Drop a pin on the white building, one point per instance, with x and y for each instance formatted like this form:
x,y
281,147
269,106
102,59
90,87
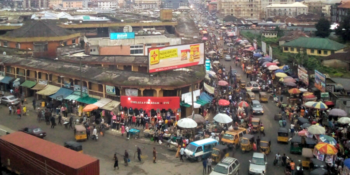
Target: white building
x,y
247,9
326,10
265,3
147,4
291,10
107,4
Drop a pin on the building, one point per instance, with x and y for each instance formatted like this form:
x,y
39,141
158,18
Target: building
x,y
290,36
109,4
269,33
212,6
315,6
35,3
340,60
313,46
326,10
291,10
266,3
137,46
334,12
247,9
147,4
72,4
41,37
340,12
174,4
55,3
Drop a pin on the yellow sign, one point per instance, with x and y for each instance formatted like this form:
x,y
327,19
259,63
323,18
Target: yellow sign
x,y
154,54
168,53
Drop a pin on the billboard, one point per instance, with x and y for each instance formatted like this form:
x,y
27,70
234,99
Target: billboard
x,y
302,75
174,57
148,103
270,52
320,81
263,47
125,35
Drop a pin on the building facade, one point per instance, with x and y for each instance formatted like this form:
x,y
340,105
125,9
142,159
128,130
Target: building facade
x,y
339,11
72,4
55,3
147,4
35,3
291,10
247,9
265,3
107,4
326,10
174,4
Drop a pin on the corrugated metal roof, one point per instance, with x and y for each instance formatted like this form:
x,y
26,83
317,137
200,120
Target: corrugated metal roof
x,y
315,43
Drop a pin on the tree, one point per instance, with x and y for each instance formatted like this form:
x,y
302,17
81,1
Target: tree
x,y
229,18
343,29
280,32
323,28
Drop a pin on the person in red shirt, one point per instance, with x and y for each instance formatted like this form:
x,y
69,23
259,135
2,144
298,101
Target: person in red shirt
x,y
19,112
134,120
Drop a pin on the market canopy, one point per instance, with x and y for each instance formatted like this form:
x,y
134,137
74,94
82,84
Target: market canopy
x,y
48,90
28,84
89,108
102,102
61,94
87,100
39,87
209,89
6,80
111,105
75,96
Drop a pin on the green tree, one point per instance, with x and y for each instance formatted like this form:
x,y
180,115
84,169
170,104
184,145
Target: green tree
x,y
280,32
229,18
343,29
323,28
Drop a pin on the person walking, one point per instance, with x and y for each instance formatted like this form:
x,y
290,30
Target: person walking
x,y
53,122
154,155
182,152
123,130
138,153
59,119
88,132
126,158
277,158
34,103
262,130
258,142
210,161
19,113
10,109
116,161
292,166
127,131
284,160
205,166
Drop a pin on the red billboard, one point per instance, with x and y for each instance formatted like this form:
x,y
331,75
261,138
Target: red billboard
x,y
148,103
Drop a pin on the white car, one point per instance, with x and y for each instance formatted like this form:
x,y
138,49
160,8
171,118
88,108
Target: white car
x,y
227,58
258,164
228,166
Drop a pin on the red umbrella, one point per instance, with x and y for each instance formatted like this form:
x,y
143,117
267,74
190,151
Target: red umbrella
x,y
270,64
309,96
223,102
329,103
222,83
243,104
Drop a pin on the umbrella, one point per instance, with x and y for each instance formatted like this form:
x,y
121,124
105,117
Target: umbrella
x,y
211,72
279,70
89,108
303,120
197,117
290,84
347,163
320,106
305,125
204,38
207,77
326,148
211,52
222,118
223,27
302,90
271,64
216,62
273,67
243,104
264,64
328,139
223,102
303,132
312,96
222,83
289,79
337,112
316,129
309,104
281,75
294,91
344,120
319,171
269,59
187,123
307,93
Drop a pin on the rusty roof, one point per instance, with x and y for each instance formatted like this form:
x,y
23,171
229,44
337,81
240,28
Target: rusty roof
x,y
115,60
293,35
345,5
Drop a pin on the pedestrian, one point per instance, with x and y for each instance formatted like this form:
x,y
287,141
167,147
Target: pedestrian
x,y
262,130
126,158
205,166
53,122
139,153
34,103
182,153
22,99
115,161
123,130
24,110
88,132
154,155
94,134
70,122
210,161
284,160
258,141
19,112
10,109
59,119
292,166
127,131
277,158
263,173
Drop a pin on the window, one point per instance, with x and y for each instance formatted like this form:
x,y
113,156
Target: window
x,y
319,51
199,149
39,75
5,43
285,48
136,50
18,45
325,52
312,50
73,41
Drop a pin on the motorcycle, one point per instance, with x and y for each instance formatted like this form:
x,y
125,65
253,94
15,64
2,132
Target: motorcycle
x,y
95,137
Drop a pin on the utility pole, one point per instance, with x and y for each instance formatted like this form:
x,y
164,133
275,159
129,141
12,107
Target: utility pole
x,y
81,81
192,97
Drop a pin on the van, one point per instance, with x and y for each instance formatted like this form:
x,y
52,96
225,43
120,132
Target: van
x,y
200,149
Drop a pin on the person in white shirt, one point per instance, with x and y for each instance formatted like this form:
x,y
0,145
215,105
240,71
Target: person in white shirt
x,y
127,131
94,133
182,153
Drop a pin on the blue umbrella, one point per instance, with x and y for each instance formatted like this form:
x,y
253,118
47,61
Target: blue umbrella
x,y
279,70
268,58
347,163
257,55
328,139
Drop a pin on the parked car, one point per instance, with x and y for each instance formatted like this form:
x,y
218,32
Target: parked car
x,y
227,57
257,107
253,87
35,131
258,163
228,166
10,99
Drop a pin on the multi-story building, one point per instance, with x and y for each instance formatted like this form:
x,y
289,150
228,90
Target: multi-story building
x,y
72,4
326,10
108,4
265,3
339,11
174,4
315,6
35,3
147,4
291,10
212,6
248,9
55,3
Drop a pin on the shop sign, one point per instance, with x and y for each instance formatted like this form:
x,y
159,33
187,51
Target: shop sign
x,y
187,97
324,94
77,88
302,75
110,90
67,84
43,82
320,81
132,92
148,103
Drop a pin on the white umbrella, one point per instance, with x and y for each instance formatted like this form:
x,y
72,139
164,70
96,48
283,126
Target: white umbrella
x,y
309,103
222,118
211,52
216,62
273,67
316,129
211,72
338,112
302,90
187,123
344,120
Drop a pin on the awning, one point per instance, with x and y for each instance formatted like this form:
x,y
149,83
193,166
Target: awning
x,y
6,80
28,84
87,100
111,105
205,97
202,102
75,96
39,87
183,104
102,102
89,108
48,90
209,89
61,94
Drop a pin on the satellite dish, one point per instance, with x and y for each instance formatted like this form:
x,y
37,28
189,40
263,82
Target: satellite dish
x,y
127,28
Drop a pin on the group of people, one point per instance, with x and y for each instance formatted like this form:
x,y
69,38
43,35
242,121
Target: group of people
x,y
126,157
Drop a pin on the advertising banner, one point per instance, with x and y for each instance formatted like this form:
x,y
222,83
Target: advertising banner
x,y
148,103
125,35
131,92
174,57
77,88
320,81
302,75
187,97
270,52
263,46
110,90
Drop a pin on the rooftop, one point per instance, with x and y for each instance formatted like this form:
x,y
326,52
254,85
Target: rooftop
x,y
293,35
295,4
345,5
137,40
173,78
342,56
134,60
315,43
